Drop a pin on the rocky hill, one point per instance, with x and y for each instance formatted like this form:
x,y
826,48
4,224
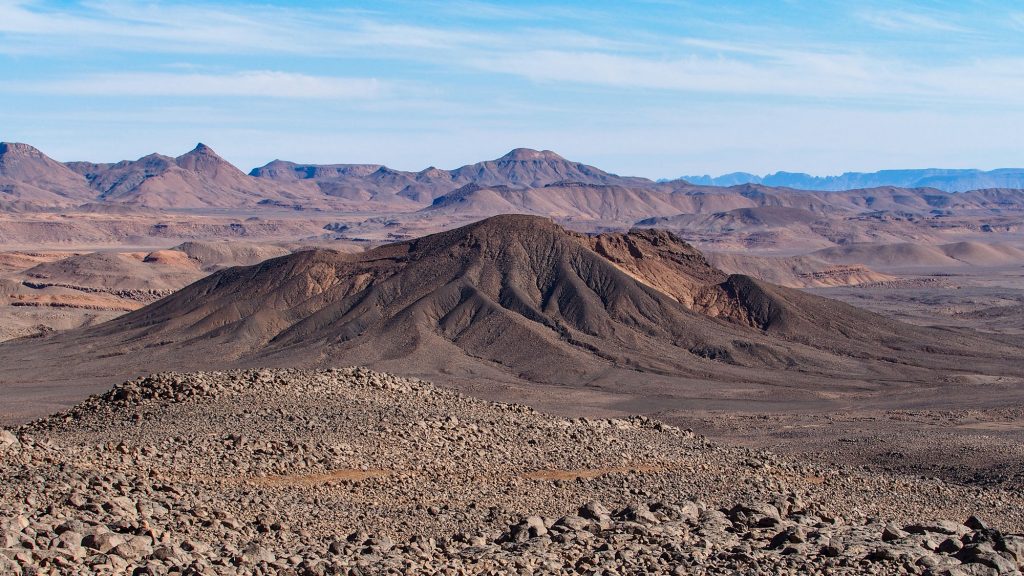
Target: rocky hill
x,y
30,178
518,301
519,169
199,178
41,292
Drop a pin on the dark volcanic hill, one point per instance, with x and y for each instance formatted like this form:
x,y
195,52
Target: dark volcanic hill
x,y
514,300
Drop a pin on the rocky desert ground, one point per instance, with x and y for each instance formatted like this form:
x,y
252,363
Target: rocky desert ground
x,y
349,471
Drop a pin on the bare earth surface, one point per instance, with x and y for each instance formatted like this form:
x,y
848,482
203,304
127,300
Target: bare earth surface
x,y
976,439
354,472
865,392
46,291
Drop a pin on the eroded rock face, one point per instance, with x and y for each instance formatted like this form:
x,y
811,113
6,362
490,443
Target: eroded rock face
x,y
358,472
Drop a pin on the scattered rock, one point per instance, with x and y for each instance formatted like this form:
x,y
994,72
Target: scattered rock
x,y
356,472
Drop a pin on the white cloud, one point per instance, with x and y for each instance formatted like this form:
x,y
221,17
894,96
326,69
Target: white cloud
x,y
258,84
189,29
903,21
778,73
256,29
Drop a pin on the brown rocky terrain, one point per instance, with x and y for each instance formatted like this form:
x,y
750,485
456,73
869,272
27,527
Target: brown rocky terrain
x,y
78,231
796,271
199,195
909,402
355,472
197,179
28,177
42,292
910,254
521,168
518,308
518,299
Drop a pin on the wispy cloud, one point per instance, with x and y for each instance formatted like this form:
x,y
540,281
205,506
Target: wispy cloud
x,y
258,84
777,73
114,24
904,21
169,28
483,10
263,29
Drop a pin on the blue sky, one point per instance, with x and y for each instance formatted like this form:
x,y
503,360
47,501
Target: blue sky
x,y
658,88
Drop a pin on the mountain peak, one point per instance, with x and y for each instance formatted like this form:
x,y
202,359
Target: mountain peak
x,y
18,148
203,159
504,222
524,154
202,149
52,182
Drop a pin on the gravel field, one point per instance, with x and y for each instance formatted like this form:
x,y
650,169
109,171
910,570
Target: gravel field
x,y
357,472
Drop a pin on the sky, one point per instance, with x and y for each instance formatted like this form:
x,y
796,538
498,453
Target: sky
x,y
657,88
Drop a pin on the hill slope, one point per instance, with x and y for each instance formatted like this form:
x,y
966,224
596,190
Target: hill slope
x,y
514,299
197,179
30,177
911,254
796,271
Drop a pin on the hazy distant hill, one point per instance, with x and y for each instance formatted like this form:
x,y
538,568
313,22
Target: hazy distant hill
x,y
520,168
374,203
942,179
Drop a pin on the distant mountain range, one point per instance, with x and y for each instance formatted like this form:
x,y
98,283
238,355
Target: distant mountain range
x,y
372,203
202,179
525,180
946,180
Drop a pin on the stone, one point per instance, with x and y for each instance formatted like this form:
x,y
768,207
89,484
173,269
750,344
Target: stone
x,y
1014,546
535,526
937,527
640,513
134,547
761,514
69,539
594,510
572,522
254,554
893,532
985,554
8,441
950,546
104,541
975,523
